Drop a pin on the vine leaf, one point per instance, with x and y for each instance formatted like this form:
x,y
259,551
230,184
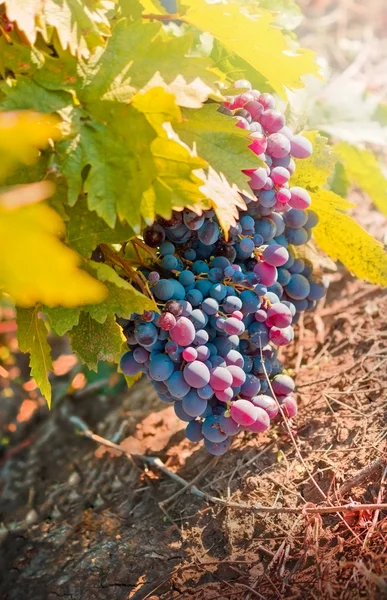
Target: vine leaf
x,y
343,239
36,266
223,145
32,338
362,169
85,229
123,299
256,40
93,341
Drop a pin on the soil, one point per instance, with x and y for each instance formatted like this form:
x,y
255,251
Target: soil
x,y
82,522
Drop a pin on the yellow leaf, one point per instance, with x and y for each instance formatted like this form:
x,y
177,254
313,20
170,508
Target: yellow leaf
x,y
22,133
222,197
256,40
363,170
313,172
343,239
35,265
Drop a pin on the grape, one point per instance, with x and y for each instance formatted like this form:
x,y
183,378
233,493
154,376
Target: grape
x,y
267,403
217,449
199,319
193,405
228,425
300,147
190,254
283,276
220,378
251,386
260,315
233,326
189,354
247,245
166,248
312,219
298,266
295,218
199,267
196,374
173,223
238,277
259,142
203,353
262,422
218,291
194,297
192,220
278,145
153,277
225,395
233,357
186,308
163,289
283,385
289,407
184,331
267,100
297,237
280,175
201,337
300,198
241,123
167,321
145,333
210,306
154,235
281,337
266,228
205,392
177,386
317,291
140,355
193,431
209,233
275,255
298,287
244,412
180,412
280,315
241,112
267,273
211,430
250,302
258,179
171,347
238,375
128,365
186,278
161,367
178,290
272,120
255,108
232,303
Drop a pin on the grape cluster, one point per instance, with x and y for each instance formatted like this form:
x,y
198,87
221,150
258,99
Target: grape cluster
x,y
225,306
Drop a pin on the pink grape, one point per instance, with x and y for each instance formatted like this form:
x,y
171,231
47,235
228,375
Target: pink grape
x,y
300,198
244,412
283,195
241,123
196,374
267,100
233,326
259,143
287,132
278,145
262,422
281,337
269,184
289,406
283,384
242,83
225,395
272,120
184,332
280,315
275,255
258,179
255,108
220,378
300,147
237,315
267,273
280,175
203,353
238,375
190,354
167,321
233,357
267,403
241,100
260,315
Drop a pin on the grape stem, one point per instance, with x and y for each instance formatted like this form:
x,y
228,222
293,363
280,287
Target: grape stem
x,y
153,461
116,259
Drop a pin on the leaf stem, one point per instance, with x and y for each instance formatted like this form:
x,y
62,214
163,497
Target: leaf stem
x,y
116,259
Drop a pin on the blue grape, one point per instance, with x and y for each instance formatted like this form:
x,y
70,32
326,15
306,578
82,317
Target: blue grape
x,y
194,297
217,449
193,431
218,291
211,430
161,367
180,412
250,302
210,306
298,287
128,365
145,333
169,262
199,267
208,234
215,274
177,386
190,254
167,248
297,237
247,245
164,289
193,405
186,278
199,319
220,262
205,392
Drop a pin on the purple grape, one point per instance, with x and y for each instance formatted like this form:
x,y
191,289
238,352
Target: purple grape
x,y
300,198
300,147
251,386
244,412
217,449
177,386
196,374
161,367
289,407
238,375
180,412
192,220
262,422
267,403
220,378
154,235
281,337
225,395
205,392
128,365
184,332
278,146
272,120
275,255
212,431
283,385
203,353
280,315
153,277
140,355
193,405
193,431
228,425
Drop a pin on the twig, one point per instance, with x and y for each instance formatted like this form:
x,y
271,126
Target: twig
x,y
276,510
362,475
377,511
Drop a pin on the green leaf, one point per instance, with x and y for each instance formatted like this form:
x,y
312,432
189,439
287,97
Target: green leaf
x,y
32,338
85,229
338,182
93,341
343,239
362,169
235,67
255,40
62,319
27,94
123,299
220,143
140,56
